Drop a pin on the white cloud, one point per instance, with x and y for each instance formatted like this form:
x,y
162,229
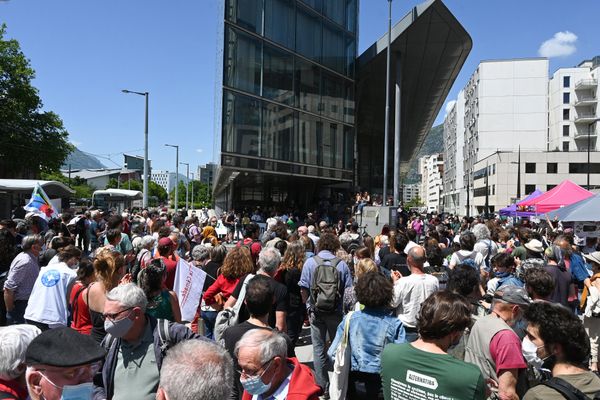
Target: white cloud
x,y
449,106
199,150
562,44
76,143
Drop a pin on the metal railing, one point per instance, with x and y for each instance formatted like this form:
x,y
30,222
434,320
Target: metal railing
x,y
586,83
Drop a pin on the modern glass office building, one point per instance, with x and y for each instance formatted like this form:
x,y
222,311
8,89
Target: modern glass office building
x,y
288,108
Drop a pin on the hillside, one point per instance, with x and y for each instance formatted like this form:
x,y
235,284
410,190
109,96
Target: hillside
x,y
81,160
434,143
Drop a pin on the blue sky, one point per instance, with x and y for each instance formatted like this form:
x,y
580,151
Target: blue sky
x,y
85,52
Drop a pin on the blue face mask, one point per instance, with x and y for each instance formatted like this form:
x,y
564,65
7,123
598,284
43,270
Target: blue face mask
x,y
83,391
501,274
254,384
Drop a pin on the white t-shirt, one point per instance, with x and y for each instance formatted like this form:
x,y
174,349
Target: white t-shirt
x,y
409,293
48,300
460,256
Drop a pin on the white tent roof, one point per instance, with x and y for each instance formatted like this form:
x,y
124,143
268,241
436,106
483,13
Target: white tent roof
x,y
132,194
52,188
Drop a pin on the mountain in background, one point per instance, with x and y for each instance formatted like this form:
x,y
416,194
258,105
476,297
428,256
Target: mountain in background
x,y
80,160
434,143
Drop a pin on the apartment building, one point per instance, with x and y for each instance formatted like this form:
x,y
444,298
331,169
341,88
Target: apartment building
x,y
410,192
432,171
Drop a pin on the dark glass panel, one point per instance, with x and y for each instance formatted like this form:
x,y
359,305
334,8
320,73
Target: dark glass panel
x,y
245,13
278,138
348,147
309,129
334,10
349,105
316,5
278,75
308,35
280,22
241,124
332,99
334,48
242,61
351,15
350,56
308,85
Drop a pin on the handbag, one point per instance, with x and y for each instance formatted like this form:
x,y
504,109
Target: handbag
x,y
338,384
230,316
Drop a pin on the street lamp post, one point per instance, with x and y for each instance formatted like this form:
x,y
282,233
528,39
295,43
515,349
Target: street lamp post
x,y
589,145
192,190
176,173
146,168
387,104
187,184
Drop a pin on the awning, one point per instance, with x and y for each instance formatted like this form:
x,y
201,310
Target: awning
x,y
587,210
564,194
53,189
122,193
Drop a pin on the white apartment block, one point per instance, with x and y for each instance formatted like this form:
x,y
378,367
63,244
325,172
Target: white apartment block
x,y
432,171
539,170
573,107
454,138
410,192
165,179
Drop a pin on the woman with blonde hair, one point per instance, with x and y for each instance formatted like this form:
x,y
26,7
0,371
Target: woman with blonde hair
x,y
109,268
289,274
237,264
364,265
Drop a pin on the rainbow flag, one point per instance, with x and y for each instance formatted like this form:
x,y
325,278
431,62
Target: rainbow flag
x,y
40,204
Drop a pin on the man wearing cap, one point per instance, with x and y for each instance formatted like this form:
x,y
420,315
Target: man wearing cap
x,y
493,344
61,363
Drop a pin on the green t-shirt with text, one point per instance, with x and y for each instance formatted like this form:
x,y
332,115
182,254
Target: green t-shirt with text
x,y
408,373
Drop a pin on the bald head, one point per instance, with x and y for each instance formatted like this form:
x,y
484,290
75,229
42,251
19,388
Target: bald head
x,y
416,257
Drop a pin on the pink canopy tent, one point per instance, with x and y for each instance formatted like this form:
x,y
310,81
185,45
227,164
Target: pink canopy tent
x,y
562,195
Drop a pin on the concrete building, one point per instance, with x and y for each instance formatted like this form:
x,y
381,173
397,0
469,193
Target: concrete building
x,y
454,138
573,107
539,170
99,178
165,179
432,171
205,173
410,192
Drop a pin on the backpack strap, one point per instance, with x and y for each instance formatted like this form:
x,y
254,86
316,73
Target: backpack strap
x,y
568,391
164,335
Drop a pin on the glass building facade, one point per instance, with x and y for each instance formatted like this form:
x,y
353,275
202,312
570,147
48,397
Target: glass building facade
x,y
288,102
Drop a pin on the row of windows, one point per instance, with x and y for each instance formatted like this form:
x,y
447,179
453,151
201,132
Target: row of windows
x,y
574,168
301,30
264,70
257,128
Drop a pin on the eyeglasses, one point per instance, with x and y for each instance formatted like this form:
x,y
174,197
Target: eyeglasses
x,y
73,372
246,375
114,316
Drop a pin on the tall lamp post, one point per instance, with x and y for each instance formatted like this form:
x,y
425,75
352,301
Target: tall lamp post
x,y
589,146
176,173
387,104
187,184
146,172
192,189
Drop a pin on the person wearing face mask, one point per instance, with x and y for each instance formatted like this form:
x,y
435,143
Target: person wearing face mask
x,y
14,341
424,365
47,307
136,344
503,266
55,371
561,344
266,372
494,345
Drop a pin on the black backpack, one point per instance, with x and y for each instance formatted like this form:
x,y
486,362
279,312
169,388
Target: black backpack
x,y
568,391
325,289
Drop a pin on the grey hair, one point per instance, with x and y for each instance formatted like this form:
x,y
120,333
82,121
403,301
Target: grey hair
x,y
417,258
129,295
270,343
29,241
197,369
14,341
201,253
269,259
147,242
481,232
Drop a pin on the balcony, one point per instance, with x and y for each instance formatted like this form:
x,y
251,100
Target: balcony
x,y
586,84
586,118
586,101
583,133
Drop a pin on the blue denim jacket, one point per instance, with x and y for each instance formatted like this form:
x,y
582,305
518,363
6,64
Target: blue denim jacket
x,y
370,330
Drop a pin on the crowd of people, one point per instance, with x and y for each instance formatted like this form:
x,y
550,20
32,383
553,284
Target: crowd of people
x,y
433,307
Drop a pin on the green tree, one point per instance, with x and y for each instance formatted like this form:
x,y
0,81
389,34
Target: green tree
x,y
202,197
31,141
154,189
416,202
78,184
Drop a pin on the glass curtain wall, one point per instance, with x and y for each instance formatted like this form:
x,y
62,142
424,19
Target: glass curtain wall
x,y
288,81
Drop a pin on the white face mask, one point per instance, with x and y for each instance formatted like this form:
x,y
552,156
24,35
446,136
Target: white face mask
x,y
529,350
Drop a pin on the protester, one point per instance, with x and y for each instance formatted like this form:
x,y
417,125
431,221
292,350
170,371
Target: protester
x,y
289,274
55,371
503,267
590,302
166,253
467,254
162,303
412,290
80,313
266,371
562,277
196,370
14,341
21,278
539,283
364,265
370,329
136,344
424,367
561,342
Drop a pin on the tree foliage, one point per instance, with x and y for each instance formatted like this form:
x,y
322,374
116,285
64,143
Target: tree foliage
x,y
202,196
156,193
31,140
78,184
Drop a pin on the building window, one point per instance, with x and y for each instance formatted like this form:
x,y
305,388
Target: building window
x,y
529,189
278,75
566,81
241,124
566,98
565,146
309,31
552,168
245,13
334,47
308,85
530,168
566,114
582,168
550,187
280,22
566,130
242,49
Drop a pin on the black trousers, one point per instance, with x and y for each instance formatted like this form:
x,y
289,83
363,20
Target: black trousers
x,y
364,386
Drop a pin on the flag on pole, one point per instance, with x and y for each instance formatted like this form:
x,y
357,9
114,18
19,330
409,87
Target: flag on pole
x,y
40,204
189,282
